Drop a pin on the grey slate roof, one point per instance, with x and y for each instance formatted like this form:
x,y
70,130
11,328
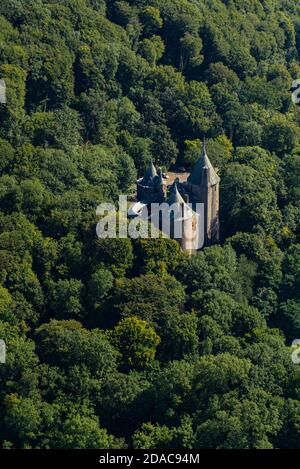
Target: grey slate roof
x,y
175,197
150,173
180,210
196,175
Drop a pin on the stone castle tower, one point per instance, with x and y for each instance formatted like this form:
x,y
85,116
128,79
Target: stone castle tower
x,y
183,219
201,187
151,187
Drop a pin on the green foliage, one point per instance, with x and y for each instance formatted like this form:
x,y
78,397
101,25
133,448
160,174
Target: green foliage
x,y
65,343
280,136
171,351
148,296
248,200
116,254
99,285
159,255
80,432
65,299
136,341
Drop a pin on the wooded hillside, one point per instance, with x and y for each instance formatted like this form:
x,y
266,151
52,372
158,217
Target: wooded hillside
x,y
121,343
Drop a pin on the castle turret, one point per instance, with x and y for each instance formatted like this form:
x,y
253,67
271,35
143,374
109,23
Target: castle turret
x,y
195,178
150,174
151,187
183,221
180,218
203,184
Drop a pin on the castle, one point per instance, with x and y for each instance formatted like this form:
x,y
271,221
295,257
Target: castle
x,y
180,200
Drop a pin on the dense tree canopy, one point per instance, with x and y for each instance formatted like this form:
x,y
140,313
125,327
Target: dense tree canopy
x,y
117,343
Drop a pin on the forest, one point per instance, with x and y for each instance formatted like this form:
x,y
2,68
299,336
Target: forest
x,y
126,343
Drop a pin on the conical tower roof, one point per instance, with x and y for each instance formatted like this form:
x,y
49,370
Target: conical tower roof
x,y
150,173
180,209
196,175
175,197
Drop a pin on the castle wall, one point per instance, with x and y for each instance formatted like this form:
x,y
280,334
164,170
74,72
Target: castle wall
x,y
215,209
209,196
150,194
